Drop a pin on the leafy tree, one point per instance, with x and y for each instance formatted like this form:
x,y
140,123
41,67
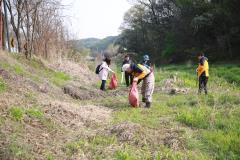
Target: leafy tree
x,y
175,30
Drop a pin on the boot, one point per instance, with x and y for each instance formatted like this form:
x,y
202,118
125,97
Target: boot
x,y
199,92
206,92
148,105
144,100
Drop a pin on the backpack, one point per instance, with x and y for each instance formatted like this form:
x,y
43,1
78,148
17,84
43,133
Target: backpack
x,y
98,70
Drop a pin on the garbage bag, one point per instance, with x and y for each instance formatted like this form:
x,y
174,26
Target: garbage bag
x,y
113,83
133,95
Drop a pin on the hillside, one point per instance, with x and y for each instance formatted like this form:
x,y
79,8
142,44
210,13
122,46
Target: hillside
x,y
57,112
95,44
37,119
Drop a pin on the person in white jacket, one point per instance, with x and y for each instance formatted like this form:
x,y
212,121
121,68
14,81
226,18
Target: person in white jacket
x,y
103,74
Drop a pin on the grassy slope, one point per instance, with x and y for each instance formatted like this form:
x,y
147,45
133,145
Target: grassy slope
x,y
176,127
22,117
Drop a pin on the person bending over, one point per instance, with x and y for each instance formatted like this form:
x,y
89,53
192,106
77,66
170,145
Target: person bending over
x,y
141,72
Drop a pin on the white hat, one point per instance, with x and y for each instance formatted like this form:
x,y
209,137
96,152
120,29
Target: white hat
x,y
125,67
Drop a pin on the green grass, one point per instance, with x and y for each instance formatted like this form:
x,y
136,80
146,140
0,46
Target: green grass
x,y
195,117
204,127
19,152
17,113
3,86
148,118
211,124
31,97
35,70
15,68
229,100
60,78
35,113
5,65
222,145
1,120
208,126
16,148
93,146
49,157
123,155
19,70
230,73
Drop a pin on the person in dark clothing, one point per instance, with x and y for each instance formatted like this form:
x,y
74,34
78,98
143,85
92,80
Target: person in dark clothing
x,y
127,75
103,84
146,61
203,73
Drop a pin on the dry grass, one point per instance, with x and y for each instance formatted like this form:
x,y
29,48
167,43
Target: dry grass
x,y
39,121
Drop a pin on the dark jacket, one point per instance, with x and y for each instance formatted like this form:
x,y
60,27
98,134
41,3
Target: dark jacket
x,y
146,64
136,69
202,60
126,62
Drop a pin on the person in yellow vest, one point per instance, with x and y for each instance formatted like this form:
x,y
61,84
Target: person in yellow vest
x,y
141,72
203,73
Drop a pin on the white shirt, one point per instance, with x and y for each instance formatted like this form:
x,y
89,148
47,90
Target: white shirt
x,y
103,74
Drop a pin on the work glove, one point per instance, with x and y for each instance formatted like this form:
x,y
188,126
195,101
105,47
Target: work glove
x,y
135,79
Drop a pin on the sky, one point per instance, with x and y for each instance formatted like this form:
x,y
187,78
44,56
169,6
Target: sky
x,y
94,18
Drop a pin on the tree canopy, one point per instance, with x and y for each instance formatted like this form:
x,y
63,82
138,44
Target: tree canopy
x,y
175,30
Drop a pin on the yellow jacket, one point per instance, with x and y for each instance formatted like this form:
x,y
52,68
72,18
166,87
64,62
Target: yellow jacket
x,y
203,68
140,71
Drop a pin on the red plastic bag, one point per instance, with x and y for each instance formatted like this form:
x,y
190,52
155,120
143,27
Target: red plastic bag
x,y
133,95
113,83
